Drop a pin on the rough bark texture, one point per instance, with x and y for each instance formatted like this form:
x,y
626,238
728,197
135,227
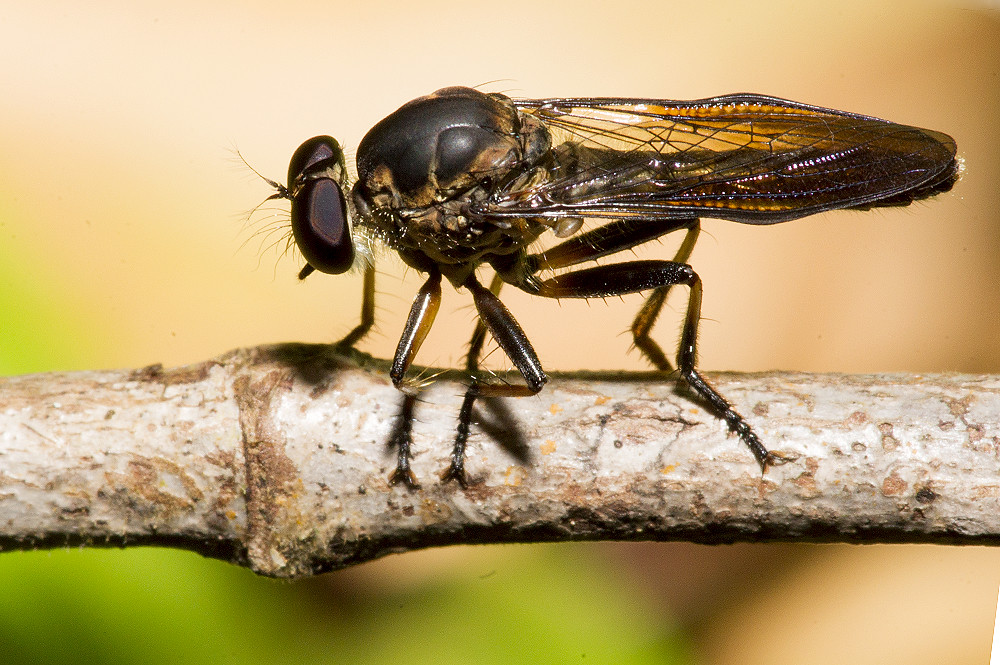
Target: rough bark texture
x,y
275,458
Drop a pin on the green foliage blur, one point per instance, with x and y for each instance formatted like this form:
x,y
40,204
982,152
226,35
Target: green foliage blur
x,y
151,605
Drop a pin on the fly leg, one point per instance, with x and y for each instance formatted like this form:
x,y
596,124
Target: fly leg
x,y
456,470
367,310
367,306
636,276
687,354
495,318
616,237
400,439
646,317
610,239
479,334
418,324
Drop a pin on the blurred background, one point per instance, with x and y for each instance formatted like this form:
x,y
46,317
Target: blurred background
x,y
125,241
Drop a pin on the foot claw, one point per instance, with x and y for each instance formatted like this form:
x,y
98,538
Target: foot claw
x,y
774,458
405,476
457,473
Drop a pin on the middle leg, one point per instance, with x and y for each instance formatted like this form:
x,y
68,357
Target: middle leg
x,y
498,321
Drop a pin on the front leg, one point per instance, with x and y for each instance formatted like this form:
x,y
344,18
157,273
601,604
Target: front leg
x,y
367,311
418,324
367,305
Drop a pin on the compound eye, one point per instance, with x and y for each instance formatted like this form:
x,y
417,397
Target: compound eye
x,y
312,152
320,226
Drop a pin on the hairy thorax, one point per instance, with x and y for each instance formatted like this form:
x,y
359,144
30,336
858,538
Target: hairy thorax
x,y
422,170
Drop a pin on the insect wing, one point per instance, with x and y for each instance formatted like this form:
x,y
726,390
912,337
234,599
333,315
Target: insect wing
x,y
748,158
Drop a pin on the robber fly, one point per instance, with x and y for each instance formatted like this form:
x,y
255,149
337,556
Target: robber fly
x,y
460,178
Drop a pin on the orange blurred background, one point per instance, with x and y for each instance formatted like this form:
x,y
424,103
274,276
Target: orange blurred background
x,y
123,218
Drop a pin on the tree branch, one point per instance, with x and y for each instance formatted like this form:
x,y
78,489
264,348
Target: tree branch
x,y
275,458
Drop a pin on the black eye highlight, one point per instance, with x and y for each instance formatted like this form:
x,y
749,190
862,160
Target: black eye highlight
x,y
320,226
